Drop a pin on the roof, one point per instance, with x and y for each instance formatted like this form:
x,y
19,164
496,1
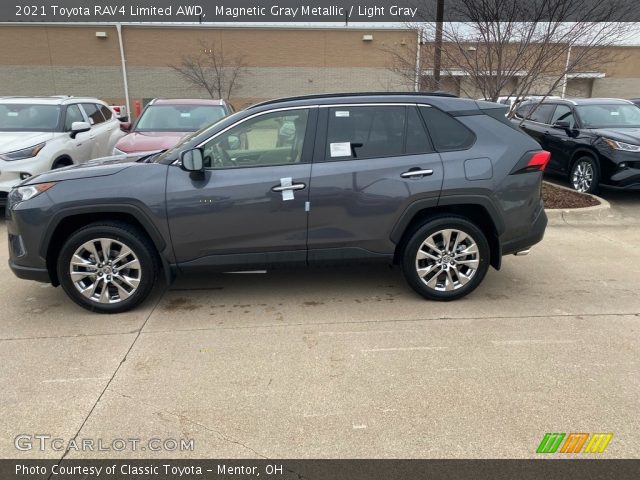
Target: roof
x,y
51,100
187,101
355,96
598,101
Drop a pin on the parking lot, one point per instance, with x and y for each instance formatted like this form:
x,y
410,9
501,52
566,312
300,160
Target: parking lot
x,y
341,362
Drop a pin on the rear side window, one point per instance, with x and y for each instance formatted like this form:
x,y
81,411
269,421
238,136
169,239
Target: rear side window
x,y
91,109
447,133
374,132
542,114
106,112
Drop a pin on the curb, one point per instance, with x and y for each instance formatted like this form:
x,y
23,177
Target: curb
x,y
561,215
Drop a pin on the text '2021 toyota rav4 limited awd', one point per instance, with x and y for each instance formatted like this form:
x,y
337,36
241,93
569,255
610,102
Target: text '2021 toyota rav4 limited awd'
x,y
440,185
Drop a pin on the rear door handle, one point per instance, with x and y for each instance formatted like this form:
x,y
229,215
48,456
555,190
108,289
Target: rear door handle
x,y
416,173
295,186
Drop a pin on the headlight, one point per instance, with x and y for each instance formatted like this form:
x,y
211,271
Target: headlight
x,y
626,147
22,154
117,152
21,194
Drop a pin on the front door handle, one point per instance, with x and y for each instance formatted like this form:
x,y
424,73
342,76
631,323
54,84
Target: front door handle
x,y
295,186
416,173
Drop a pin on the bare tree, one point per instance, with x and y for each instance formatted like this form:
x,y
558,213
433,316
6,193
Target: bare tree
x,y
211,69
517,48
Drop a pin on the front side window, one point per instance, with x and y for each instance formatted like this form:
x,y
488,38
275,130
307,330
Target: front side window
x,y
73,115
178,118
271,139
28,118
107,113
94,115
563,113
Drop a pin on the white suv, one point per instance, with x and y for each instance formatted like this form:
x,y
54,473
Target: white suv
x,y
41,133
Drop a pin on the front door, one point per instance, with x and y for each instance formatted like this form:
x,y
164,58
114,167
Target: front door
x,y
248,210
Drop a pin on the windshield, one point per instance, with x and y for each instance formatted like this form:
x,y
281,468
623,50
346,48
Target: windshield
x,y
609,116
178,118
28,118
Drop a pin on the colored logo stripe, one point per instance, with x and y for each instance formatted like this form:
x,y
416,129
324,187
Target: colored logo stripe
x,y
574,443
550,442
598,442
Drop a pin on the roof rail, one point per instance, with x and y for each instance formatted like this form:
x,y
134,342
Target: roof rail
x,y
353,94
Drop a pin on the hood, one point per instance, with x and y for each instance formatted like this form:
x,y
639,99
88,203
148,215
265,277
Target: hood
x,y
626,135
145,141
12,141
99,167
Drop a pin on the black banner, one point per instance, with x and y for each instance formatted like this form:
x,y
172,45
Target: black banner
x,y
538,469
301,11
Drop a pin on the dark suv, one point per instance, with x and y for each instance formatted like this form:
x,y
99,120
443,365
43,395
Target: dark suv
x,y
593,141
440,185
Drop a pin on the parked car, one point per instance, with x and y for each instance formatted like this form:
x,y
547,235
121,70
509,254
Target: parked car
x,y
164,122
42,133
378,191
593,141
121,112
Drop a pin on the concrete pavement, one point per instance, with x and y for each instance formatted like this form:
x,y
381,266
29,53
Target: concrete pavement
x,y
340,362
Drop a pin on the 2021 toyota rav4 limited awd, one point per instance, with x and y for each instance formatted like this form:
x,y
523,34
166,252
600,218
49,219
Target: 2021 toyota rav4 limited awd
x,y
41,133
592,141
440,185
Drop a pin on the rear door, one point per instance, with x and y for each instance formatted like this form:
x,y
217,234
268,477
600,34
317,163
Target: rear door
x,y
370,163
99,133
558,141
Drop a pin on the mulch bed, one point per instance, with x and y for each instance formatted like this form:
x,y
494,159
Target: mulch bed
x,y
555,197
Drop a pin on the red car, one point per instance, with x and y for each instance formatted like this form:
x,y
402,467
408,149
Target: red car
x,y
164,122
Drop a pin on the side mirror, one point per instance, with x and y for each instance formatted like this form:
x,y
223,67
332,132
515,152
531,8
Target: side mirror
x,y
192,160
562,125
125,126
79,127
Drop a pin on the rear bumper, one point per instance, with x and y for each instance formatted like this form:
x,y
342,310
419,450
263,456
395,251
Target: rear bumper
x,y
524,242
30,273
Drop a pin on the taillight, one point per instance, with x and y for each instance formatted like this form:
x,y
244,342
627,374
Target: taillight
x,y
116,109
539,160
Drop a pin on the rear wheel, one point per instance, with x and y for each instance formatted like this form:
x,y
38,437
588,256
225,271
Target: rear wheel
x,y
585,175
446,258
107,267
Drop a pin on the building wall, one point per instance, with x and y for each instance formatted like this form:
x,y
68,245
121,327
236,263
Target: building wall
x,y
47,60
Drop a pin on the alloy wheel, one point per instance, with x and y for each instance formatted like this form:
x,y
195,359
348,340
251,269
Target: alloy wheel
x,y
582,177
447,260
105,270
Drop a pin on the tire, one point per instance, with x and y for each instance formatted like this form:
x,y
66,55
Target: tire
x,y
437,280
585,175
61,163
127,286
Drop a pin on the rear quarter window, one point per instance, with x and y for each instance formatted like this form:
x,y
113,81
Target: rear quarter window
x,y
447,133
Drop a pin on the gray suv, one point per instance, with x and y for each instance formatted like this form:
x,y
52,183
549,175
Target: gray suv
x,y
440,185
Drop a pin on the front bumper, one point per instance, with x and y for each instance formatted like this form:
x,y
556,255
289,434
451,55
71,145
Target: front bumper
x,y
30,273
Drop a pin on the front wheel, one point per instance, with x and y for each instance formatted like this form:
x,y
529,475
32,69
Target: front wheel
x,y
446,258
107,267
585,175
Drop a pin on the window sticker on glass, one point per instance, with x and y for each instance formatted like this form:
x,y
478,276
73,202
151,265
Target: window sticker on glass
x,y
342,149
185,114
12,114
614,113
342,113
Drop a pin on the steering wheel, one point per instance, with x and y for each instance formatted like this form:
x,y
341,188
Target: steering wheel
x,y
218,157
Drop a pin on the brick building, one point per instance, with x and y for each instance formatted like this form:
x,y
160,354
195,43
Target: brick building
x,y
84,59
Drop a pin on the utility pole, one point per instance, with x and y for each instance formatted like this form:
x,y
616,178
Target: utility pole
x,y
437,50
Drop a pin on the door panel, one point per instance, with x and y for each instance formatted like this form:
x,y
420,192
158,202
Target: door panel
x,y
355,202
250,203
